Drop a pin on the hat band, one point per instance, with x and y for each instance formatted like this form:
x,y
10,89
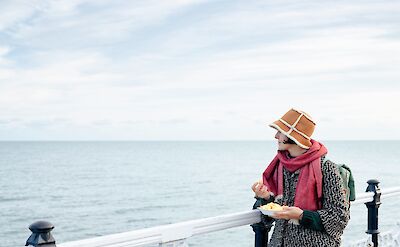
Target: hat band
x,y
292,127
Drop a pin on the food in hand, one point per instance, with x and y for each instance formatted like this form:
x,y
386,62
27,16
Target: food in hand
x,y
272,206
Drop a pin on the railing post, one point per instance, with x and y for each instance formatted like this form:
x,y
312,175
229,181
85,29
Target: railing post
x,y
373,207
41,236
261,231
262,228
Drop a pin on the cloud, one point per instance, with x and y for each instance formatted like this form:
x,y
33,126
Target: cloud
x,y
37,123
103,122
367,114
5,72
134,67
86,24
10,121
3,52
14,12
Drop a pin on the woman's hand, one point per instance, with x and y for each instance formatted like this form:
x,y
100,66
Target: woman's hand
x,y
288,213
261,190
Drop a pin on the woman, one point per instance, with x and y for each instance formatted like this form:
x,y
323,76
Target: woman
x,y
314,212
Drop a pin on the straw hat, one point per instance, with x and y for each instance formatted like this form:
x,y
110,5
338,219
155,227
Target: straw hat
x,y
296,125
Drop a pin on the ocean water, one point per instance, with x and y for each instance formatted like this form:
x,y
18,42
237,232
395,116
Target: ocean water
x,y
89,189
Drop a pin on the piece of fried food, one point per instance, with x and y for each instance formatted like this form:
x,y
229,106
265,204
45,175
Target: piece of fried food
x,y
272,206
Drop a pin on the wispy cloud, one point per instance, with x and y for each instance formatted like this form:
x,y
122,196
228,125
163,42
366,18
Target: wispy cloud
x,y
85,24
175,69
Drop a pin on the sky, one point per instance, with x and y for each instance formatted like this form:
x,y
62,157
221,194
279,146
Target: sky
x,y
197,70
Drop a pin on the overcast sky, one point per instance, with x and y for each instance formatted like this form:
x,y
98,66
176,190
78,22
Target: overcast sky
x,y
197,70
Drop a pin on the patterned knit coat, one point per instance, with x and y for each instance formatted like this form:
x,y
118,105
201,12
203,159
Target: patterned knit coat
x,y
334,213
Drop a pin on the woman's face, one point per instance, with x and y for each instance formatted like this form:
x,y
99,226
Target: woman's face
x,y
281,141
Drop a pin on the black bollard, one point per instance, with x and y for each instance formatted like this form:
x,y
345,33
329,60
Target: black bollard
x,y
261,231
262,228
259,236
373,207
41,236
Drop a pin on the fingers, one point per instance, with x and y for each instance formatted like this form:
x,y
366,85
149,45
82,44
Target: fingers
x,y
279,215
282,215
260,189
254,186
288,213
264,191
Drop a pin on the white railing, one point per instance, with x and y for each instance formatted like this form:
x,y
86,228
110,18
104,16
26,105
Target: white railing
x,y
369,196
170,233
176,234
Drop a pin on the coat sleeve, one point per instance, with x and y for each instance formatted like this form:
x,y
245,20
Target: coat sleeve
x,y
311,220
334,213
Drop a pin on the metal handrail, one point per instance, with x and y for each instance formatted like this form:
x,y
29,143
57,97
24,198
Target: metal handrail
x,y
390,192
369,196
363,198
171,232
181,231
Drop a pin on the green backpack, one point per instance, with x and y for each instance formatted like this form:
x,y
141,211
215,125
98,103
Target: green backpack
x,y
347,181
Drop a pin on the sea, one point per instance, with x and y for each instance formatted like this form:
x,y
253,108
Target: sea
x,y
88,189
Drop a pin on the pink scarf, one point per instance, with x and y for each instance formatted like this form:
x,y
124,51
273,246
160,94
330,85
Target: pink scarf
x,y
309,186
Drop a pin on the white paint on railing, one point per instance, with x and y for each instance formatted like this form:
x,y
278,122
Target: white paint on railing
x,y
369,196
169,233
363,198
390,192
176,234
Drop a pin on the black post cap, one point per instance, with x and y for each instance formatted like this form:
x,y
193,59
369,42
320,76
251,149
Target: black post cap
x,y
373,181
41,236
373,186
41,226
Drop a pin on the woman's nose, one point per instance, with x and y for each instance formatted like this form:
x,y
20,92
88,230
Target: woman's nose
x,y
277,135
